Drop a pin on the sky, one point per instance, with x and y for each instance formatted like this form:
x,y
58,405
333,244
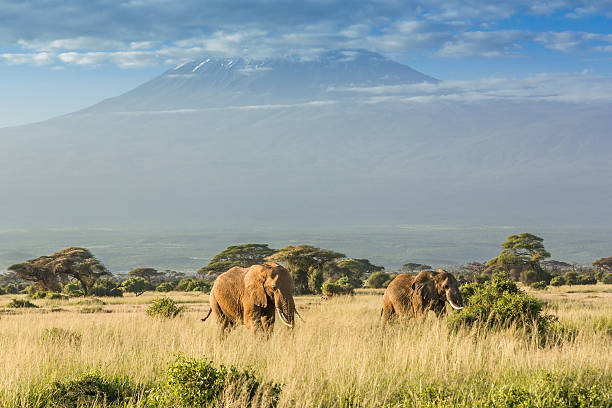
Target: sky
x,y
58,56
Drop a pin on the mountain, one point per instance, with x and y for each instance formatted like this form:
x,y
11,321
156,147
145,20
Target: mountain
x,y
347,138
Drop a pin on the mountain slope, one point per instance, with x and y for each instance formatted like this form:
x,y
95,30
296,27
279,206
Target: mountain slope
x,y
164,155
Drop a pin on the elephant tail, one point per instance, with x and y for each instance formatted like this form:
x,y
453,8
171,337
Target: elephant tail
x,y
206,317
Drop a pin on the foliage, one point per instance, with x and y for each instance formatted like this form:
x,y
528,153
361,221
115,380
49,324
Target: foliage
x,y
607,279
199,383
12,289
604,264
21,303
557,281
106,287
410,267
500,302
136,285
355,270
243,255
377,280
341,287
586,279
47,272
301,260
164,307
520,257
550,391
193,285
538,285
315,281
86,390
73,288
148,274
166,286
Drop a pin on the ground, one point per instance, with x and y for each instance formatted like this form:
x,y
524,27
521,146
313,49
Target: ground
x,y
340,356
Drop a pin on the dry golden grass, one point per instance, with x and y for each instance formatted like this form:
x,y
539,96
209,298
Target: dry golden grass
x,y
341,350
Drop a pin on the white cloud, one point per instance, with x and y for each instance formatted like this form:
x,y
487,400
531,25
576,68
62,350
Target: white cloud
x,y
37,59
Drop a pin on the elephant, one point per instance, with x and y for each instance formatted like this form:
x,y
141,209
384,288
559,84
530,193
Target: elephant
x,y
413,295
252,296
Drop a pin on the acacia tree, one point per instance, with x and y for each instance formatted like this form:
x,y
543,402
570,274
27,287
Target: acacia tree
x,y
604,264
243,255
412,266
302,260
354,269
521,254
47,272
148,274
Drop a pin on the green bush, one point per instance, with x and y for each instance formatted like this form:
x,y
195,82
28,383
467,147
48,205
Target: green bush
x,y
340,287
106,287
164,307
90,389
500,302
2,291
198,383
315,280
21,303
166,287
585,279
73,288
557,281
55,295
12,289
607,278
192,285
136,285
571,278
377,279
538,285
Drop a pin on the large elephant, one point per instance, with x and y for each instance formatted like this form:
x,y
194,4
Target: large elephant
x,y
253,296
413,295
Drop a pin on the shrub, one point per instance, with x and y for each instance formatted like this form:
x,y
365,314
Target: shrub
x,y
32,293
198,383
73,288
340,287
538,285
2,291
90,389
106,287
11,288
557,281
165,287
584,279
571,278
191,285
377,279
607,278
500,303
164,307
55,295
136,285
315,280
20,303
59,335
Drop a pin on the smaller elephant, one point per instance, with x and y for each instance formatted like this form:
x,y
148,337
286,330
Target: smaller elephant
x,y
253,296
413,295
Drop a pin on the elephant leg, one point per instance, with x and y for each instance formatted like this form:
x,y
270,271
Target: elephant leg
x,y
387,313
223,323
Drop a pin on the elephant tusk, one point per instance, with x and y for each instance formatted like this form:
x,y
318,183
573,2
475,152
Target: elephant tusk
x,y
454,306
300,316
280,315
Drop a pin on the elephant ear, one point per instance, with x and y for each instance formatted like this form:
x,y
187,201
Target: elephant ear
x,y
254,285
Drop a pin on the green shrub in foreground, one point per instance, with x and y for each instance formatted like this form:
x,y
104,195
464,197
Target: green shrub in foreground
x,y
499,302
548,391
90,389
164,307
198,383
21,303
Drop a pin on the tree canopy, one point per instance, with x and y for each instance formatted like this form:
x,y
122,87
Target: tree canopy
x,y
243,255
413,266
148,274
604,263
48,272
303,260
520,256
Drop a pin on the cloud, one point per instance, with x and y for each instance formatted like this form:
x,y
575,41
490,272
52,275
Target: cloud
x,y
570,88
137,33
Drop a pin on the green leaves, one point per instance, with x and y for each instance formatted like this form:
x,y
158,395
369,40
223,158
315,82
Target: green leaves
x,y
243,255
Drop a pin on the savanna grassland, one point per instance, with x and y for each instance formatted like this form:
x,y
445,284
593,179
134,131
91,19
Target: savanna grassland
x,y
341,356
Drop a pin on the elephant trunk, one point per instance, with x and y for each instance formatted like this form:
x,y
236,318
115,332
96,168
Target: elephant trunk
x,y
285,308
454,298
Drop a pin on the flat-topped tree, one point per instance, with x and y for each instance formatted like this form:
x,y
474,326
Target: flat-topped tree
x,y
413,266
303,260
148,274
243,255
521,254
47,272
604,264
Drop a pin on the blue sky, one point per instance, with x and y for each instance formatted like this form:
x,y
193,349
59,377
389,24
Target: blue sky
x,y
59,56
